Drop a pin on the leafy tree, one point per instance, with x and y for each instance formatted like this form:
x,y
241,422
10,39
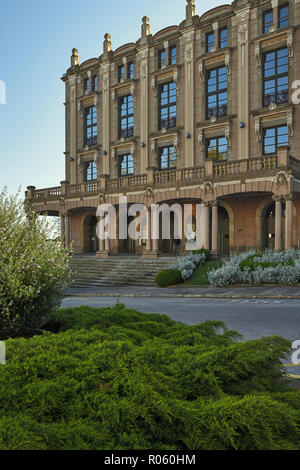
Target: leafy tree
x,y
33,270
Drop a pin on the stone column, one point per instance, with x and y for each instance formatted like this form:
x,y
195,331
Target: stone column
x,y
73,129
106,118
242,17
67,230
289,224
63,230
215,229
144,110
189,111
216,33
275,13
107,245
155,229
278,224
206,226
101,241
149,241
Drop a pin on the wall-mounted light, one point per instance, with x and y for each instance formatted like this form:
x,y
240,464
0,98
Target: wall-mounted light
x,y
104,152
71,159
188,135
242,125
143,145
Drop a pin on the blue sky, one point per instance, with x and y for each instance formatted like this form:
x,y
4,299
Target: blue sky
x,y
36,39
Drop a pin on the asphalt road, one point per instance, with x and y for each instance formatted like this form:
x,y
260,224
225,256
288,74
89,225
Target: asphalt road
x,y
252,318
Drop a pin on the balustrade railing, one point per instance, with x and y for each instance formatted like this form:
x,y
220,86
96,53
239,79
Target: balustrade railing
x,y
165,177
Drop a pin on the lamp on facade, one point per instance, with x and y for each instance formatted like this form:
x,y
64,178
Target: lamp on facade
x,y
104,152
242,125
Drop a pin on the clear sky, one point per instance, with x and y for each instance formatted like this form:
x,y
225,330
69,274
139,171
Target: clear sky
x,y
36,39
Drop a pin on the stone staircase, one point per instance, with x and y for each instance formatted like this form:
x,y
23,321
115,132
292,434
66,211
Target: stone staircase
x,y
89,271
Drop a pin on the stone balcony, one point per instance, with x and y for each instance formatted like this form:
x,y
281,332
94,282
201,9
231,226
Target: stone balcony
x,y
212,172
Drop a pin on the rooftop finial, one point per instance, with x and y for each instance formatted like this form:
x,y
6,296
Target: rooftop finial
x,y
107,45
190,9
74,57
146,28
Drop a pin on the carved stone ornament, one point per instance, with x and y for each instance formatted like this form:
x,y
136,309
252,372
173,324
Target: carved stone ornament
x,y
281,179
176,144
258,131
74,58
208,188
202,74
228,134
154,149
243,34
102,198
149,194
114,98
290,121
201,139
114,157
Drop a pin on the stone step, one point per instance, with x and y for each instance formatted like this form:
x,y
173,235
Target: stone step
x,y
116,271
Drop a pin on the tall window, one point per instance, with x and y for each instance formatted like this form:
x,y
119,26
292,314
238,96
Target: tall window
x,y
126,165
95,83
161,58
167,105
130,70
126,116
121,72
167,158
276,77
217,92
283,16
217,148
210,41
91,172
223,38
275,137
267,20
173,55
91,126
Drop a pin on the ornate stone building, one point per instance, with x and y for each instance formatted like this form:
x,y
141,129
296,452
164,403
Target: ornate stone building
x,y
200,113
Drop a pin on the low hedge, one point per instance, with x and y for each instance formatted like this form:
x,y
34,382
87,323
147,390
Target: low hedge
x,y
168,277
116,379
252,265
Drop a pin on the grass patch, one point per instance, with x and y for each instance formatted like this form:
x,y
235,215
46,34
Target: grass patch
x,y
200,276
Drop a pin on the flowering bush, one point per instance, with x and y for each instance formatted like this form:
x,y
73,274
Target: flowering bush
x,y
265,268
33,270
188,264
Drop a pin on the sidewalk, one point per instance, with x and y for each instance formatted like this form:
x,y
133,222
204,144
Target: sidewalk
x,y
188,292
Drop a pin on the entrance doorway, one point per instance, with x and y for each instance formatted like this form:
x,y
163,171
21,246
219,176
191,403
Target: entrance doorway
x,y
223,224
90,234
268,227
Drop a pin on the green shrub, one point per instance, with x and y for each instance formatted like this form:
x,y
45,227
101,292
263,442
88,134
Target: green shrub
x,y
115,379
252,265
33,270
200,252
168,277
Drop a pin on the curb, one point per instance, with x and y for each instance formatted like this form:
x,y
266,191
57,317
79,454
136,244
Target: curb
x,y
187,296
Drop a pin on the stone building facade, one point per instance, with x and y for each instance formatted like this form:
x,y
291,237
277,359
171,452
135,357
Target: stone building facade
x,y
200,113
